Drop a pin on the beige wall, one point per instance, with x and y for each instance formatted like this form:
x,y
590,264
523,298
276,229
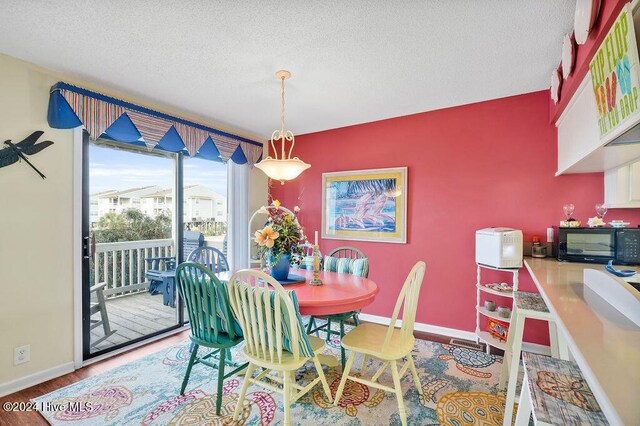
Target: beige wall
x,y
36,225
36,293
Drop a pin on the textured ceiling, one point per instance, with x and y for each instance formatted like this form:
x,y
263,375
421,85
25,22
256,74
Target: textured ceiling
x,y
352,61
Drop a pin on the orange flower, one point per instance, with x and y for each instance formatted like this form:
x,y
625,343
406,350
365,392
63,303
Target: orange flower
x,y
266,236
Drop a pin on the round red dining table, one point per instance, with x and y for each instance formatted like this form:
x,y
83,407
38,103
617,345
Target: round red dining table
x,y
338,293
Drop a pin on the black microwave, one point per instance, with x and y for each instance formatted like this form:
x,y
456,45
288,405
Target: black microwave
x,y
599,245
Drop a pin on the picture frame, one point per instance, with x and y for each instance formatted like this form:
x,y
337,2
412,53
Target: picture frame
x,y
365,205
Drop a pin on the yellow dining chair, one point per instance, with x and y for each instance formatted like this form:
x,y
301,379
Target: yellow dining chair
x,y
388,344
274,338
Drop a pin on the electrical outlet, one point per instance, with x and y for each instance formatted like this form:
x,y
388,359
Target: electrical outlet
x,y
21,354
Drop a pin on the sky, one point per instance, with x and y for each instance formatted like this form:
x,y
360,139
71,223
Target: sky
x,y
119,169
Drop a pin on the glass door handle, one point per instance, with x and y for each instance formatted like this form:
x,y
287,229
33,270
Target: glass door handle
x,y
85,248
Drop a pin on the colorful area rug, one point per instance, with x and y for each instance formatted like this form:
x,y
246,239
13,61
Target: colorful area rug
x,y
458,384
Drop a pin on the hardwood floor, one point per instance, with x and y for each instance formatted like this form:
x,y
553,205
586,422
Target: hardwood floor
x,y
32,418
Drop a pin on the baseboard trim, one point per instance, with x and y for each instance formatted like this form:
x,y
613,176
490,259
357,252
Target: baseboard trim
x,y
51,373
451,332
35,378
427,328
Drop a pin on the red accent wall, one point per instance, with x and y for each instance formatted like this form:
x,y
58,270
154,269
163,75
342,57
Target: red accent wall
x,y
609,11
469,167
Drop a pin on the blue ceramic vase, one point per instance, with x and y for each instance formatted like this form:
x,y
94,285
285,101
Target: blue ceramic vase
x,y
280,271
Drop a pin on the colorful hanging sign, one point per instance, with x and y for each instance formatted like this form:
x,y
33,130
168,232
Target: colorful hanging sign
x,y
615,75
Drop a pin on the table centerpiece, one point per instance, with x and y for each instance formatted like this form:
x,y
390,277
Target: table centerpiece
x,y
280,238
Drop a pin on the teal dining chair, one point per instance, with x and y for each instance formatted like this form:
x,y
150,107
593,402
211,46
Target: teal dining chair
x,y
348,260
211,320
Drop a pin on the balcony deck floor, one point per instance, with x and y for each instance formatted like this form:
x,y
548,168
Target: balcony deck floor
x,y
134,316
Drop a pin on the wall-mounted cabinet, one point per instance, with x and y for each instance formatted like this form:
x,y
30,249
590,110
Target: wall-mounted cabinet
x,y
578,130
622,186
580,149
587,125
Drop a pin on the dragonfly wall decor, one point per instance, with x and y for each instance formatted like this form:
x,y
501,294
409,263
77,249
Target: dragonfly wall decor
x,y
14,152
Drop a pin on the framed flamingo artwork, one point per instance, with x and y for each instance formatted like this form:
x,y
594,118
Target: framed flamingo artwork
x,y
365,205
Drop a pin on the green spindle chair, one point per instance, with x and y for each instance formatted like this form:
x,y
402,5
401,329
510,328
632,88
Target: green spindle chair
x,y
349,260
212,324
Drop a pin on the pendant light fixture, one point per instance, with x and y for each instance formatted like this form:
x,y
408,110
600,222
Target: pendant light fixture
x,y
283,168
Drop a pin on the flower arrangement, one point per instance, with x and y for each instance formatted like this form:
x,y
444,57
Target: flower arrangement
x,y
281,235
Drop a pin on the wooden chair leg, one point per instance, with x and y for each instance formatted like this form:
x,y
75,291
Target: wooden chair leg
x,y
398,389
342,351
380,371
365,360
192,360
310,325
524,407
345,375
287,398
220,380
553,339
414,372
516,348
563,348
504,370
323,379
243,391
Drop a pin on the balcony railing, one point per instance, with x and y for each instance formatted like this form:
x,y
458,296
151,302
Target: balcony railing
x,y
122,265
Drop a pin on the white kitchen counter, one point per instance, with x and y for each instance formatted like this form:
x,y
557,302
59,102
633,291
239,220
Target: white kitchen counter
x,y
604,343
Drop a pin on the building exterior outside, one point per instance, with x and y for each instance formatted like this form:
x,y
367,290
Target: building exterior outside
x,y
113,201
201,203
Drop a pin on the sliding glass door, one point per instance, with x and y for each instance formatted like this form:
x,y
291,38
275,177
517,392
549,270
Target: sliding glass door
x,y
132,223
205,207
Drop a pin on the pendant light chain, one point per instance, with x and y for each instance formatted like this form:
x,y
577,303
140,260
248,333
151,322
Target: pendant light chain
x,y
282,118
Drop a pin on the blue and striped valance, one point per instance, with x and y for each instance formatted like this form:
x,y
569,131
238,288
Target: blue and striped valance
x,y
107,117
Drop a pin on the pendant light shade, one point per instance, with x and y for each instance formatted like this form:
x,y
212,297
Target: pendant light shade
x,y
283,168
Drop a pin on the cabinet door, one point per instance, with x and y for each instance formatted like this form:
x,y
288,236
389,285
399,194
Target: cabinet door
x,y
578,132
622,186
634,182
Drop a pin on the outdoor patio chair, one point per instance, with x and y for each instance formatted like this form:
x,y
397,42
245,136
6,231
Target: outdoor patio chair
x,y
161,270
210,257
212,324
98,305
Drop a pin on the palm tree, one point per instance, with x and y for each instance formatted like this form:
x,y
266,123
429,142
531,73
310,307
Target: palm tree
x,y
377,186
